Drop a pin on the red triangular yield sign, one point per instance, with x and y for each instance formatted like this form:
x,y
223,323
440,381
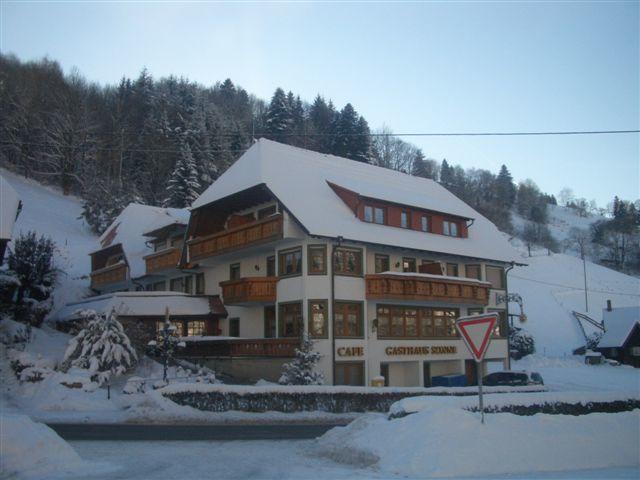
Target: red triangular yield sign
x,y
476,332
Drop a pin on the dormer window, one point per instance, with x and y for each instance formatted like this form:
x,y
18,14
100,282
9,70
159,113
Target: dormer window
x,y
404,219
450,228
424,223
374,214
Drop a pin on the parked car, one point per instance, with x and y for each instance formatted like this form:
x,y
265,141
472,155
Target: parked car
x,y
510,378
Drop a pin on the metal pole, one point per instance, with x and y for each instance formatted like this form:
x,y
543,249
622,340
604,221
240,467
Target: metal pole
x,y
480,401
584,269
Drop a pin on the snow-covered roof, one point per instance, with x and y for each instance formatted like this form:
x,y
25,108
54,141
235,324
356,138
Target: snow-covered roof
x,y
618,324
298,178
128,229
9,204
139,304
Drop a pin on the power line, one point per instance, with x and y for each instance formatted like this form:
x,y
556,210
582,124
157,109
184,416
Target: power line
x,y
571,287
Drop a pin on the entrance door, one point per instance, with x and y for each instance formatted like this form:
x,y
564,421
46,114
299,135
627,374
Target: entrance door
x,y
270,321
471,372
384,371
426,374
349,373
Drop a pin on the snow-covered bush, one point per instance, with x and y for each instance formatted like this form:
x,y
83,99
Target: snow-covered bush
x,y
28,282
102,347
14,333
34,374
134,385
300,371
521,343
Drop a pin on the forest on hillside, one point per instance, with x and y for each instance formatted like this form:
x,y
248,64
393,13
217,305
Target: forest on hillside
x,y
163,141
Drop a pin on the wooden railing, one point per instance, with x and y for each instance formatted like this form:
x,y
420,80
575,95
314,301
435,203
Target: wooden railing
x,y
162,260
105,276
253,233
398,287
261,347
249,290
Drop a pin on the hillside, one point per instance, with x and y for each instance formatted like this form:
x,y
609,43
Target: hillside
x,y
551,286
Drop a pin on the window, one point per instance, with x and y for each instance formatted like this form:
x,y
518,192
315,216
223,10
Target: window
x,y
234,327
176,326
347,261
267,212
349,373
290,262
501,329
161,245
114,259
473,271
234,271
318,318
381,263
269,321
195,328
450,228
199,283
290,319
176,284
495,276
409,264
177,242
424,223
416,322
347,319
188,284
452,269
404,219
271,266
317,259
374,214
159,286
368,213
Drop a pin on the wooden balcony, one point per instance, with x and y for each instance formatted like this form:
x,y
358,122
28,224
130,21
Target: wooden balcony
x,y
109,275
400,287
162,260
260,347
249,290
254,233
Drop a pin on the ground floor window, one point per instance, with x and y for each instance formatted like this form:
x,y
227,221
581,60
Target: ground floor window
x,y
416,322
318,318
290,319
269,321
177,328
349,373
195,328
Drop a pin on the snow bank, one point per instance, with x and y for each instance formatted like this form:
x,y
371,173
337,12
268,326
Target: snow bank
x,y
33,450
451,442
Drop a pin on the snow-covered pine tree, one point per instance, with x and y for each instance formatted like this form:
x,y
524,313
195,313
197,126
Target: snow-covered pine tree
x,y
351,135
278,119
521,343
183,186
300,371
101,346
166,344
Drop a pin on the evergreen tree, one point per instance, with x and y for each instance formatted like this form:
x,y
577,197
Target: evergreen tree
x,y
183,186
505,189
446,174
423,167
278,121
301,370
321,118
102,347
351,135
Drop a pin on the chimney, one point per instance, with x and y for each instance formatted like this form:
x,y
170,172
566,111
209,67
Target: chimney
x,y
608,305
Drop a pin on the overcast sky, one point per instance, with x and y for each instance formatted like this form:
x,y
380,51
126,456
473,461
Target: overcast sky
x,y
435,67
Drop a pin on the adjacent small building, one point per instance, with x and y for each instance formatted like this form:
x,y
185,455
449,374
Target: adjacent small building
x,y
621,339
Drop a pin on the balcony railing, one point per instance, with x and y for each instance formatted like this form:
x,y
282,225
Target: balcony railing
x,y
253,233
249,290
401,287
261,347
162,260
108,275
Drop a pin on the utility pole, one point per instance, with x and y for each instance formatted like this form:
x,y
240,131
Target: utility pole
x,y
584,270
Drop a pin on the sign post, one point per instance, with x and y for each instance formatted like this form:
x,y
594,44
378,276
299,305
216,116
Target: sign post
x,y
476,331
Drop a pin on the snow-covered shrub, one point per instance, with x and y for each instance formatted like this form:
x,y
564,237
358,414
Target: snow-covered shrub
x,y
521,343
300,371
166,345
30,279
14,333
34,374
102,347
593,340
134,385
